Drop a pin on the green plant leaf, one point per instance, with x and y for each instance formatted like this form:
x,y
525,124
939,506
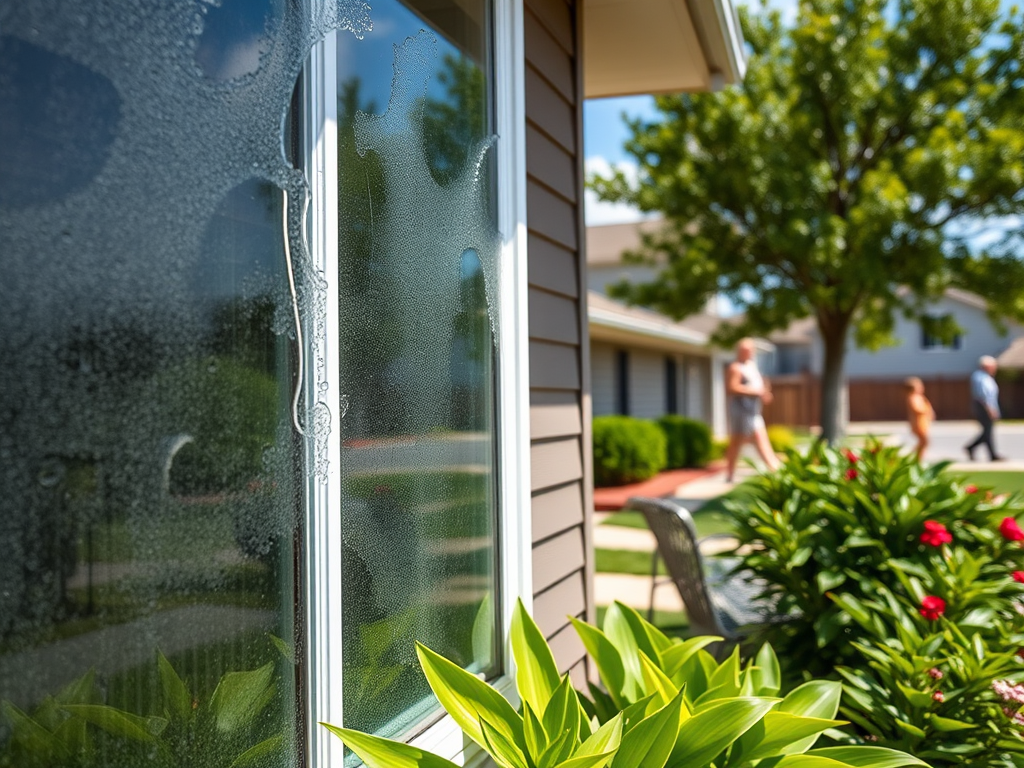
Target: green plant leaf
x,y
817,698
588,761
536,671
468,699
376,752
241,696
114,721
81,691
675,657
619,631
608,660
648,744
604,706
948,725
779,733
483,629
655,681
605,740
286,649
504,752
708,732
31,736
533,732
177,699
771,676
562,714
268,753
867,757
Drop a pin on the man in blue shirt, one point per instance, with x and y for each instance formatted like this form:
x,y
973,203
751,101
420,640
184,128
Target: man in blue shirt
x,y
985,405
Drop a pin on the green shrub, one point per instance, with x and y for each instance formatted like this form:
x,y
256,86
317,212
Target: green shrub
x,y
626,450
687,710
781,438
689,441
886,571
719,446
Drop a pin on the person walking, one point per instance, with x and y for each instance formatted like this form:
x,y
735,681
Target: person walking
x,y
920,413
985,405
747,392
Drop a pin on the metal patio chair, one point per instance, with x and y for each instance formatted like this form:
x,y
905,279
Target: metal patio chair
x,y
718,602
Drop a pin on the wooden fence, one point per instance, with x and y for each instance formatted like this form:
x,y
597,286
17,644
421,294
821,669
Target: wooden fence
x,y
798,399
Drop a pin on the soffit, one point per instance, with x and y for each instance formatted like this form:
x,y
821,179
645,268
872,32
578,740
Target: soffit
x,y
660,46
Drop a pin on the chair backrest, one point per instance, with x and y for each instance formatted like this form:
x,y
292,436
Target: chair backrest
x,y
676,535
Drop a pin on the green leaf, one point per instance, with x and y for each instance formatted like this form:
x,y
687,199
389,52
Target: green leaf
x,y
710,731
588,761
780,733
376,752
605,740
604,706
918,699
619,631
177,699
867,757
269,752
908,728
536,671
504,752
648,744
829,580
562,714
655,681
286,649
608,660
533,732
483,629
818,698
115,721
468,699
948,725
771,676
30,735
81,691
241,696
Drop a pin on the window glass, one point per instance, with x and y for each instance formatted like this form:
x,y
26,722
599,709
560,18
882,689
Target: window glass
x,y
417,255
154,296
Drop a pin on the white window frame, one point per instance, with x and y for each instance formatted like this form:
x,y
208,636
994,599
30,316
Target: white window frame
x,y
323,587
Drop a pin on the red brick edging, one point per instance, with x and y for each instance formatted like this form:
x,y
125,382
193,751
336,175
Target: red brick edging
x,y
663,484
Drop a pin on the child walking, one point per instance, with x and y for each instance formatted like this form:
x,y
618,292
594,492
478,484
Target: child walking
x,y
919,412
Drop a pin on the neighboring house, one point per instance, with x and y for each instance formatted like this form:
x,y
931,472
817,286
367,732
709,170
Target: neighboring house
x,y
875,378
643,363
389,431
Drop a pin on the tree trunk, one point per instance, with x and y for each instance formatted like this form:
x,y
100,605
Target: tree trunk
x,y
833,413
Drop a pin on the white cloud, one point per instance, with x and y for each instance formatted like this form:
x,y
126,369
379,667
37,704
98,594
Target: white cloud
x,y
597,212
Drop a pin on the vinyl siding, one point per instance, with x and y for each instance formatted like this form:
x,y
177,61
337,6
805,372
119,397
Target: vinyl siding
x,y
646,384
559,354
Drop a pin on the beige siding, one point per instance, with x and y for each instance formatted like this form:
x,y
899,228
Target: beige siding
x,y
559,354
602,378
646,384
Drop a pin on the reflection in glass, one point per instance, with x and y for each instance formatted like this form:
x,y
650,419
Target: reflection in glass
x,y
417,265
150,503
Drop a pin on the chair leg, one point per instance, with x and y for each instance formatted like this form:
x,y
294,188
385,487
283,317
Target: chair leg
x,y
654,583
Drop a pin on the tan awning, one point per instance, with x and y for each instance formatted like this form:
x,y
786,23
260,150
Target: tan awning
x,y
660,46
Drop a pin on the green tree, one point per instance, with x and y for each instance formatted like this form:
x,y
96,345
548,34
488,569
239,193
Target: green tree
x,y
843,179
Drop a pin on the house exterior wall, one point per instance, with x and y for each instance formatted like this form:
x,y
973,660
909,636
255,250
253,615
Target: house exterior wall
x,y
559,354
646,384
909,359
602,377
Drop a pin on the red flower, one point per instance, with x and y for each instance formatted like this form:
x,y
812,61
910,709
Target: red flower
x,y
935,534
939,696
971,489
850,456
1010,530
932,607
1018,576
851,474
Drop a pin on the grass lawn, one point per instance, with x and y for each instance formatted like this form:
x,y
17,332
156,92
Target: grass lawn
x,y
999,481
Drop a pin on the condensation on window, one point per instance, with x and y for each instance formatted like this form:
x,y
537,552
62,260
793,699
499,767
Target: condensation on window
x,y
157,298
418,253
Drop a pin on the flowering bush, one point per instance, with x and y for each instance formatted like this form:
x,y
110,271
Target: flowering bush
x,y
923,685
835,521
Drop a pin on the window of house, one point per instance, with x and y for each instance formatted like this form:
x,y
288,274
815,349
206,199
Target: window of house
x,y
261,426
671,385
622,382
935,336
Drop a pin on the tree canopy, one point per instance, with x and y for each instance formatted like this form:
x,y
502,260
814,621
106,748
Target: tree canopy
x,y
845,178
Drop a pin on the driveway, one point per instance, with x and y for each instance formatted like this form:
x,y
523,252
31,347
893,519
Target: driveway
x,y
949,438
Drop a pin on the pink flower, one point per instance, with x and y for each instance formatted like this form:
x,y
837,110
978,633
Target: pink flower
x,y
935,673
1008,692
971,489
851,474
939,696
935,534
1010,530
932,607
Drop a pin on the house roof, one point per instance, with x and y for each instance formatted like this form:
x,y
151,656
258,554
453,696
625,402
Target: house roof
x,y
611,320
1013,356
607,242
660,46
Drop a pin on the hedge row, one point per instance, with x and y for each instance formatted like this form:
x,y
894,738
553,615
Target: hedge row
x,y
629,450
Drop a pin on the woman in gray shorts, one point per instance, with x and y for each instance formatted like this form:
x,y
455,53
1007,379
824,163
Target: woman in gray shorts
x,y
747,391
